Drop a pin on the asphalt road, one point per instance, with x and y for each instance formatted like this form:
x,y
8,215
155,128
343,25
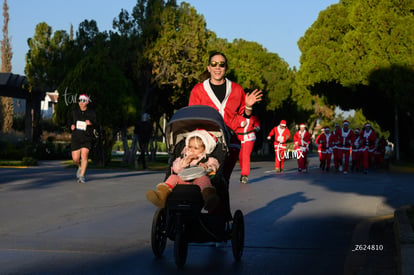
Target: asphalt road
x,y
295,223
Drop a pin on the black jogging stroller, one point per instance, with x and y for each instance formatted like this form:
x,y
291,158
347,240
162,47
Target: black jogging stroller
x,y
183,220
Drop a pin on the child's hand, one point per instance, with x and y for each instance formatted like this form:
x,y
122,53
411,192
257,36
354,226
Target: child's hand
x,y
187,160
203,165
191,157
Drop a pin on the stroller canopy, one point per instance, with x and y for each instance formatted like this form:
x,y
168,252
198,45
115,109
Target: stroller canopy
x,y
194,117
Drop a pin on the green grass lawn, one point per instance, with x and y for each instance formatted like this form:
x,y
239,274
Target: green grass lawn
x,y
160,164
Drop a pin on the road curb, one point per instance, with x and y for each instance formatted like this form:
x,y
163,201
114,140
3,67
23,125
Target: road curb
x,y
404,238
401,169
359,262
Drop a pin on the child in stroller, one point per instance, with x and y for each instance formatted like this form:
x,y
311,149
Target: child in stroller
x,y
194,158
181,218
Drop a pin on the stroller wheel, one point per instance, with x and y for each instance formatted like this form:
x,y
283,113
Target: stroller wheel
x,y
180,248
158,232
237,235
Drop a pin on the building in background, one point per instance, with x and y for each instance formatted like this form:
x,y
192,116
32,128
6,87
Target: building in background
x,y
47,106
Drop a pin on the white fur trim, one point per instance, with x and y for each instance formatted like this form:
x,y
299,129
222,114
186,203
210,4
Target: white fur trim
x,y
209,142
220,105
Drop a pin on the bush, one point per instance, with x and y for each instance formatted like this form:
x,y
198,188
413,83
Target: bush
x,y
29,161
12,146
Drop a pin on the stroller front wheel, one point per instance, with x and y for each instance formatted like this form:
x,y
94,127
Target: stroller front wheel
x,y
158,232
237,235
180,245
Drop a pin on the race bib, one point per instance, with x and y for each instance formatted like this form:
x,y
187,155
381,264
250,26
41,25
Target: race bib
x,y
250,136
81,125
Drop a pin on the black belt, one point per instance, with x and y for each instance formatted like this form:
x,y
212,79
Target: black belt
x,y
240,134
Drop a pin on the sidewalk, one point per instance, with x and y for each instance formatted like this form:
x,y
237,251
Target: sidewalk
x,y
404,238
403,231
373,248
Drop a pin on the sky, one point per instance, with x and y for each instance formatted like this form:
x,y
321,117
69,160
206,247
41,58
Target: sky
x,y
276,25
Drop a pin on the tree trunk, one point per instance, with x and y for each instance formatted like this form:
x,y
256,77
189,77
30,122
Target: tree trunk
x,y
134,148
124,139
28,121
396,135
6,114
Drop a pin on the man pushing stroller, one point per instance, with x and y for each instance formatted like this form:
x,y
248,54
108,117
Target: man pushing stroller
x,y
199,144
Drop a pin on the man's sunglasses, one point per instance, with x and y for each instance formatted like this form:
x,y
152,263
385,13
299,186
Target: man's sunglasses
x,y
83,100
222,64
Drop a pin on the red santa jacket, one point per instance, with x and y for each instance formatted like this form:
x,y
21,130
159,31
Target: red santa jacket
x,y
231,108
345,139
336,143
281,136
302,140
247,133
327,142
356,146
368,139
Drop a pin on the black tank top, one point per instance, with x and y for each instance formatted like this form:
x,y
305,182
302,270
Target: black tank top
x,y
219,90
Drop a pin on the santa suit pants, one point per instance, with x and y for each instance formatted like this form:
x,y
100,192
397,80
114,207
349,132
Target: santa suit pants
x,y
366,158
356,158
244,157
336,157
302,159
320,153
344,152
279,156
326,160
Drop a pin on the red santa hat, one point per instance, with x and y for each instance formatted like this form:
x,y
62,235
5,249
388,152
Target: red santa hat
x,y
327,128
357,130
346,122
282,122
84,97
367,125
209,140
302,125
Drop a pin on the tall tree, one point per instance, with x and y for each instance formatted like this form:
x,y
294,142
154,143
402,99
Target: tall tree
x,y
359,52
49,58
38,56
177,55
6,111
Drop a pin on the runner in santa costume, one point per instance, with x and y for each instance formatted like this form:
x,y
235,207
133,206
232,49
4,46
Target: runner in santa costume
x,y
326,141
229,108
320,147
345,137
229,99
368,139
247,138
301,141
281,135
379,152
335,147
356,150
